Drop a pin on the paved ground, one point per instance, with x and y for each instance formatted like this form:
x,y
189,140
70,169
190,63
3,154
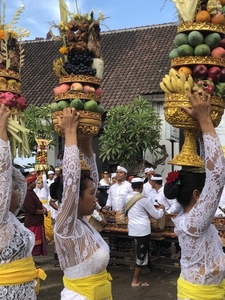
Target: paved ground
x,y
162,284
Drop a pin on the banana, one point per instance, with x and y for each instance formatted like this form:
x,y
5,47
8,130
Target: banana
x,y
180,86
187,87
164,88
173,72
190,80
167,83
173,81
182,76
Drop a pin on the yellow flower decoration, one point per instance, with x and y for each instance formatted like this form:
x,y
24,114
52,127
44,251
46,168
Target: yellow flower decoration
x,y
63,27
14,34
63,50
2,35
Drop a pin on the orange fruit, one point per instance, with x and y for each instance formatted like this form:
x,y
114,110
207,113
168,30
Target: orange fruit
x,y
218,19
202,16
186,70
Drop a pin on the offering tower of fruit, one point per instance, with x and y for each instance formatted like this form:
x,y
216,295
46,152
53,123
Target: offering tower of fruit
x,y
197,64
11,61
80,71
42,154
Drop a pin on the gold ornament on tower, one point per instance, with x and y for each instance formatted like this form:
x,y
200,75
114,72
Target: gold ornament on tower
x,y
197,64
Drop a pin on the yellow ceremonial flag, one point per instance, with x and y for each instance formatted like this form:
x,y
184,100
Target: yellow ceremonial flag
x,y
63,11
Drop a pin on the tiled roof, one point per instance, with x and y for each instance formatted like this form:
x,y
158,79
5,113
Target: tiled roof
x,y
135,61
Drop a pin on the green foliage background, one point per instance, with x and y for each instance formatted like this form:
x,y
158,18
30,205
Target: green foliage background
x,y
128,130
34,118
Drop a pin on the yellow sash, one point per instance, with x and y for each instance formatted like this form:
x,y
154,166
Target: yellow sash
x,y
49,232
21,271
95,287
44,201
191,291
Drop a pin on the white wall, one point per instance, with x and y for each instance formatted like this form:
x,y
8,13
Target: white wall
x,y
164,168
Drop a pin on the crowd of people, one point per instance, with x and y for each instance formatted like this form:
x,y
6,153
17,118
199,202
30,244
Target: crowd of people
x,y
57,203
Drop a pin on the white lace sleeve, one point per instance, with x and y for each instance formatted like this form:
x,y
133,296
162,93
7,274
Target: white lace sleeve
x,y
202,149
21,185
67,213
201,215
91,161
5,181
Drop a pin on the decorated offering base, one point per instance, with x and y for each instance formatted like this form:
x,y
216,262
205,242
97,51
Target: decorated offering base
x,y
197,64
89,123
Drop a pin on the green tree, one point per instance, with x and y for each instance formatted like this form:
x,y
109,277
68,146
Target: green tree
x,y
39,121
129,130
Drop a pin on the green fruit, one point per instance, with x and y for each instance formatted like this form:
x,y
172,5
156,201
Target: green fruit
x,y
77,103
185,50
100,109
212,40
202,50
173,54
181,39
195,38
91,105
63,104
54,106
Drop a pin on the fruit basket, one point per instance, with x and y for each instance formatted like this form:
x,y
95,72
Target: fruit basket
x,y
197,63
79,70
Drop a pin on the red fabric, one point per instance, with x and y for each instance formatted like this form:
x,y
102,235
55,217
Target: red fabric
x,y
40,247
31,178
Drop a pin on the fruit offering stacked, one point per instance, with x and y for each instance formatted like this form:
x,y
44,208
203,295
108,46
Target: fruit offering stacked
x,y
81,67
42,154
11,61
198,57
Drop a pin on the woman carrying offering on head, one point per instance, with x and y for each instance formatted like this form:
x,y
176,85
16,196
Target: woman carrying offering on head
x,y
18,275
199,191
82,252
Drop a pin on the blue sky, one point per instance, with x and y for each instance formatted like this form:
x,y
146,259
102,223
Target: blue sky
x,y
38,15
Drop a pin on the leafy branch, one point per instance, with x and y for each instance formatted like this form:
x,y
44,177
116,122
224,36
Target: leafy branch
x,y
39,121
130,130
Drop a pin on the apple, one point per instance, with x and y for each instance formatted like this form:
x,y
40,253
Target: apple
x,y
222,43
89,88
222,74
214,73
77,86
98,91
218,52
200,71
63,88
63,104
54,106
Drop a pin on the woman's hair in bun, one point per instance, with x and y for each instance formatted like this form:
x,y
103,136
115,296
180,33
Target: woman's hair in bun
x,y
183,188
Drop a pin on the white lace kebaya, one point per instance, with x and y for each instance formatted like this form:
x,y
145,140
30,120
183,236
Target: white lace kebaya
x,y
81,249
202,256
16,241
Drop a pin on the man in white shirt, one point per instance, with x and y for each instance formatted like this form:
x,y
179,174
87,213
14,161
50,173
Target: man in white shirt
x,y
147,188
139,226
51,175
157,197
118,191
